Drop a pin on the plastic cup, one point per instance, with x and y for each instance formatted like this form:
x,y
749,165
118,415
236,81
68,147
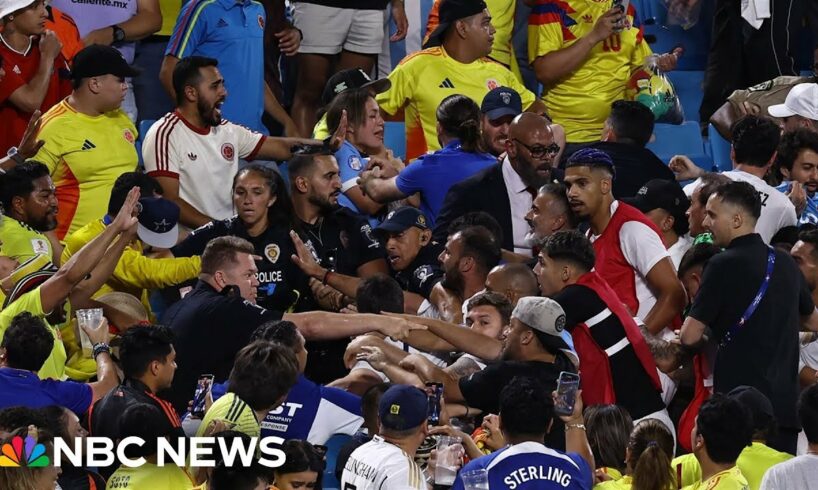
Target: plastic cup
x,y
475,479
90,318
448,459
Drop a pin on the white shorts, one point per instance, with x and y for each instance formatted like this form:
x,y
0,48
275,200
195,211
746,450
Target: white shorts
x,y
328,30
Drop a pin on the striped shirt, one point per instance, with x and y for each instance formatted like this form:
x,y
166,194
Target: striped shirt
x,y
233,409
205,160
381,465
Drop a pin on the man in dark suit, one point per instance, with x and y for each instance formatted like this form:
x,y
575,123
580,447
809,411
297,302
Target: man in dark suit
x,y
626,132
506,191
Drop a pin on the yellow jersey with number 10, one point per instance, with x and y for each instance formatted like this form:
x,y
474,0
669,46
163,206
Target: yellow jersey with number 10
x,y
423,79
582,101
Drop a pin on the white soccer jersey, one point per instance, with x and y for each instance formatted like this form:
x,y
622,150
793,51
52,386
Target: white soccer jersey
x,y
204,160
379,465
776,209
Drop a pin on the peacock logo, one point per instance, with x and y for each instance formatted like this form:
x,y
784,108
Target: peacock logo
x,y
24,453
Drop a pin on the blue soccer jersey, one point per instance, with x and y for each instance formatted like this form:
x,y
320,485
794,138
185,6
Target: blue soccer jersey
x,y
532,466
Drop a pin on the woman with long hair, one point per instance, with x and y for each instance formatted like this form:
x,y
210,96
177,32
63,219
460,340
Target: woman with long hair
x,y
609,428
647,459
264,217
461,156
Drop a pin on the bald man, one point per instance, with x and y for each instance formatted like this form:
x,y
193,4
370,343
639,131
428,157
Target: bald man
x,y
506,191
514,281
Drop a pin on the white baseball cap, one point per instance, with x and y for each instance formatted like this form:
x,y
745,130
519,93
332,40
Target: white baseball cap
x,y
10,6
802,100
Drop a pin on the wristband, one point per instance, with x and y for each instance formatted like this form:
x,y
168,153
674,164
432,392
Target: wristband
x,y
326,277
99,348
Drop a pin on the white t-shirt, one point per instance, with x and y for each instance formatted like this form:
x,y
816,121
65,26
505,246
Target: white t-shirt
x,y
642,248
809,356
800,472
204,160
380,465
776,209
678,249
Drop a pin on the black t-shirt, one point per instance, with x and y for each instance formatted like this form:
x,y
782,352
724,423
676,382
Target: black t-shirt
x,y
282,284
210,328
423,273
482,389
342,241
634,167
632,385
764,352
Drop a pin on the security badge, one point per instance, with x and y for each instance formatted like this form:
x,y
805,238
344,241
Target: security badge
x,y
272,252
423,272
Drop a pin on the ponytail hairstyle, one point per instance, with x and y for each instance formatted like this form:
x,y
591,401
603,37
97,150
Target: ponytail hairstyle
x,y
459,116
651,447
281,212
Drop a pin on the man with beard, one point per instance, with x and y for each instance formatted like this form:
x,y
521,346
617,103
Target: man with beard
x,y
506,191
549,214
630,254
798,163
339,240
499,107
194,161
710,181
30,205
410,252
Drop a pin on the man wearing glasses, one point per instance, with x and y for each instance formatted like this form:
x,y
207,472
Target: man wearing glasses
x,y
506,191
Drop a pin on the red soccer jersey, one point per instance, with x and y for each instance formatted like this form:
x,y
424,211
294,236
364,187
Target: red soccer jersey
x,y
20,68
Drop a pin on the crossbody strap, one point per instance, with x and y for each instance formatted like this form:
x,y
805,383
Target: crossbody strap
x,y
756,301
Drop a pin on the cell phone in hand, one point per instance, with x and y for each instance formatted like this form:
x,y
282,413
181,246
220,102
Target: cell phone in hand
x,y
434,392
203,387
567,386
623,6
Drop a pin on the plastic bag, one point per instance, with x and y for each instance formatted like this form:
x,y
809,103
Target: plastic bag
x,y
653,88
683,13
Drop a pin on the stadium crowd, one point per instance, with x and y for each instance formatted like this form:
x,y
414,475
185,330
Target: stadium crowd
x,y
204,233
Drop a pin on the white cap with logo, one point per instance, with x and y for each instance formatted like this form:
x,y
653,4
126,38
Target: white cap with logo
x,y
802,100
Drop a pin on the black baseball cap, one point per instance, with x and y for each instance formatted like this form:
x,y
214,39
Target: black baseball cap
x,y
501,101
98,59
760,407
450,11
351,79
401,219
661,194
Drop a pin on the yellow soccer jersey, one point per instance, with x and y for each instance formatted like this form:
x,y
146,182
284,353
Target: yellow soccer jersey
x,y
150,476
134,274
623,483
423,79
731,479
20,241
582,101
753,462
235,411
85,155
31,302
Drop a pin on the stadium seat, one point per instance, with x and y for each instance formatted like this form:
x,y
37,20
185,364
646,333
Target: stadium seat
x,y
394,138
663,38
688,85
719,149
144,126
683,139
334,445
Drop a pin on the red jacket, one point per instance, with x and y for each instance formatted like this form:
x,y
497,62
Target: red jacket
x,y
594,366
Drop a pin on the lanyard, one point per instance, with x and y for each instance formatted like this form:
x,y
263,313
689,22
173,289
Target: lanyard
x,y
756,301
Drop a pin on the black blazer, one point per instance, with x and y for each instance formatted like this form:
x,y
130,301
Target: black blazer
x,y
485,191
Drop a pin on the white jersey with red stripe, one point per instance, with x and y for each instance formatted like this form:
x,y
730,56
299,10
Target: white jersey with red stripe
x,y
204,160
